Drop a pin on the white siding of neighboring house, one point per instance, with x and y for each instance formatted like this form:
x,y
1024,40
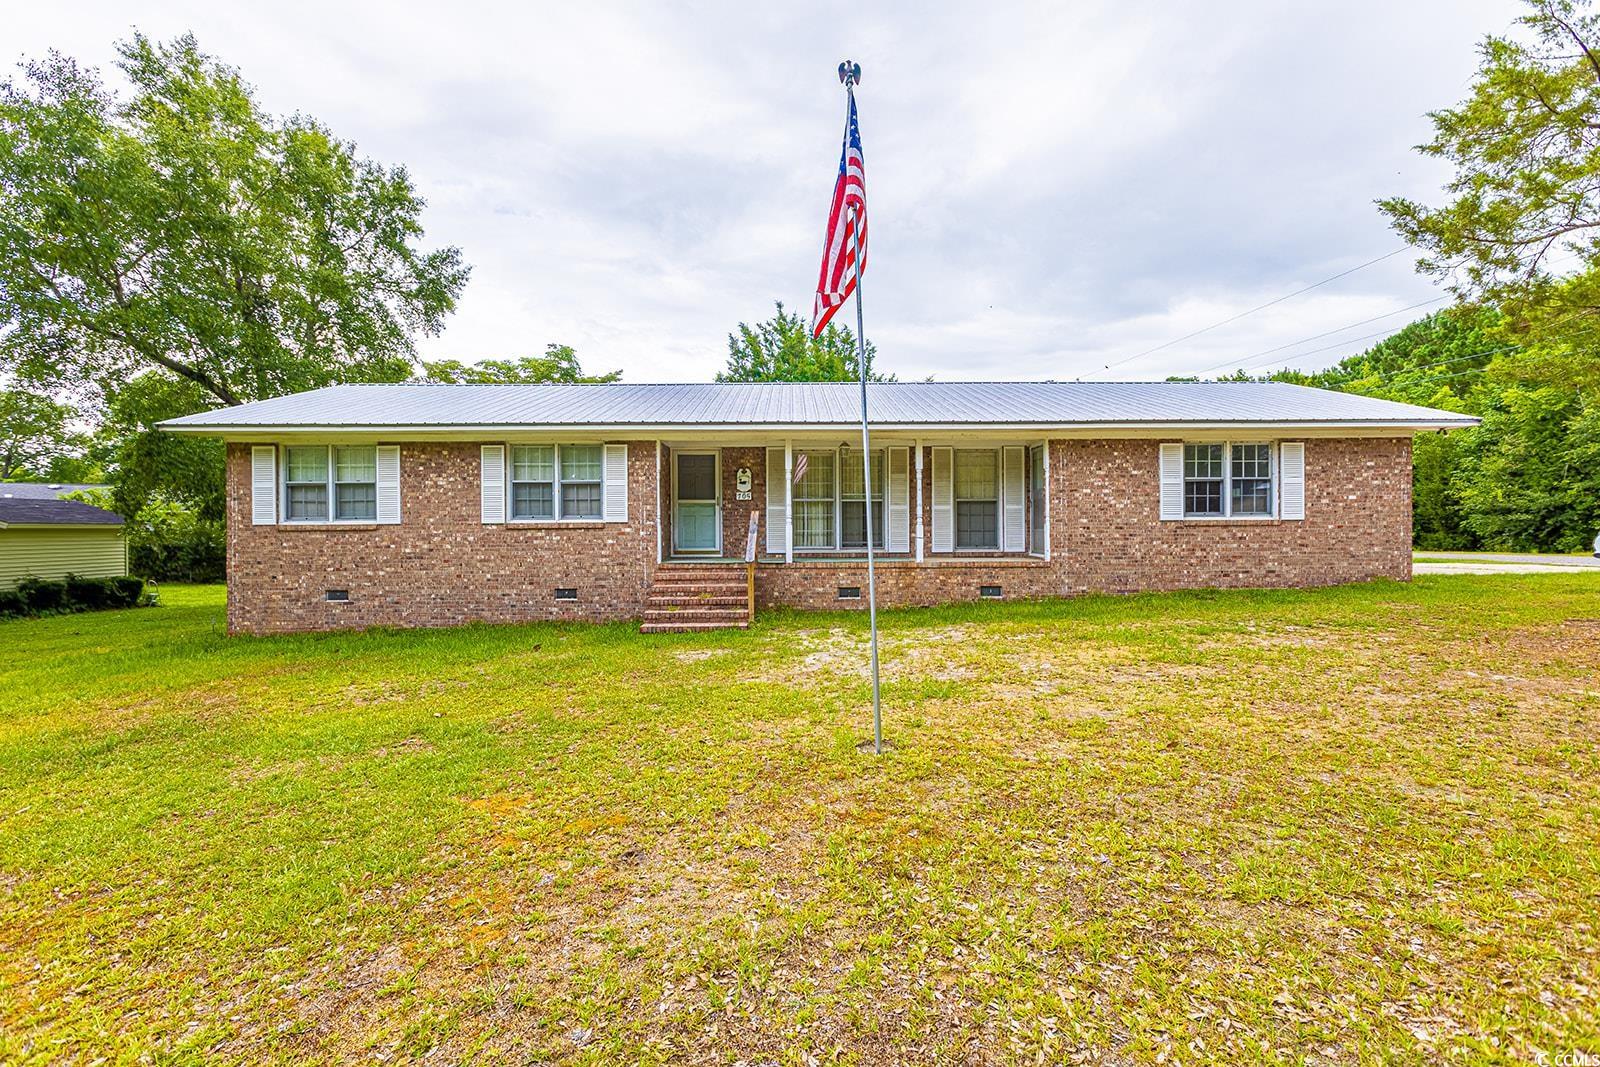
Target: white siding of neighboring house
x,y
57,551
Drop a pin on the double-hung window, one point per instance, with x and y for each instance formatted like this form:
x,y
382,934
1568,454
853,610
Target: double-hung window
x,y
556,482
977,498
853,510
580,481
1224,480
813,502
533,482
323,483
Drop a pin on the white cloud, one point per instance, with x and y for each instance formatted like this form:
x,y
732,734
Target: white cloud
x,y
1053,187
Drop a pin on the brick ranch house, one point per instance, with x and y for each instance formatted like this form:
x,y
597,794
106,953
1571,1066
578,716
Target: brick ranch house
x,y
431,505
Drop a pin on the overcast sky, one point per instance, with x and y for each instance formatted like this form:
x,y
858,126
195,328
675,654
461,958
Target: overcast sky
x,y
1052,189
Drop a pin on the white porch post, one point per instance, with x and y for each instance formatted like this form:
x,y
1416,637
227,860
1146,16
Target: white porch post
x,y
788,500
1047,495
918,446
659,546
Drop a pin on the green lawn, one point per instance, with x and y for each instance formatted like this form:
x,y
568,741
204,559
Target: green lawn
x,y
1355,825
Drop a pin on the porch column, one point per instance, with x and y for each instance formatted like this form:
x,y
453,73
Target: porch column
x,y
788,500
918,446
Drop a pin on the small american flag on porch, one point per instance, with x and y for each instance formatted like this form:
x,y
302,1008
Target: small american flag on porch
x,y
848,210
799,467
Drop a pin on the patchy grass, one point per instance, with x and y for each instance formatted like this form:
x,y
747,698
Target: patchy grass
x,y
1353,825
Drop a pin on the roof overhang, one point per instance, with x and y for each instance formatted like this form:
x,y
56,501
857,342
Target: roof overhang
x,y
1342,427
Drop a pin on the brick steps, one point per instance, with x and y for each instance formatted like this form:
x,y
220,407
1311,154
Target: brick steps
x,y
690,597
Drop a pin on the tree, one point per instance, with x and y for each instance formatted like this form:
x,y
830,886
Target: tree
x,y
146,463
36,438
558,364
183,229
783,350
1525,146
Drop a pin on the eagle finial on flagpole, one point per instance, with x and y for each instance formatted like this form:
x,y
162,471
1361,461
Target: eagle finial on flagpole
x,y
850,73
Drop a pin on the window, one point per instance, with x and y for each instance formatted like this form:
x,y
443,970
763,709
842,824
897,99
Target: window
x,y
323,483
1202,479
853,503
1251,480
977,494
1222,480
813,503
580,481
355,484
306,483
533,481
556,482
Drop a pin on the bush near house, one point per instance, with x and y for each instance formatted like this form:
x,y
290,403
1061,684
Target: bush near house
x,y
47,596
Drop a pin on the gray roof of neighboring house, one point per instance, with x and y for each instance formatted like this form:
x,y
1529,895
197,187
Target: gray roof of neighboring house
x,y
20,512
813,404
43,490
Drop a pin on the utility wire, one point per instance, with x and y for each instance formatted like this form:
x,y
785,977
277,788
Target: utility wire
x,y
1252,311
1242,363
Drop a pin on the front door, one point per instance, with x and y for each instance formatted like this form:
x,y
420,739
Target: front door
x,y
697,505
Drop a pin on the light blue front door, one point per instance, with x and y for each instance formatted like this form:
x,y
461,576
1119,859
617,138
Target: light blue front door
x,y
697,516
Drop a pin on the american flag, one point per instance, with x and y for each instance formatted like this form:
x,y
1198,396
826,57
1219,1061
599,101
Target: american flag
x,y
848,210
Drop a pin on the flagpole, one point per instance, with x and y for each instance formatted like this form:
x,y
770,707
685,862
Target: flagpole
x,y
866,449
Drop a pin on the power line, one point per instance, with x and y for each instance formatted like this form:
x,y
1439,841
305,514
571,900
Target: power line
x,y
1242,363
1252,311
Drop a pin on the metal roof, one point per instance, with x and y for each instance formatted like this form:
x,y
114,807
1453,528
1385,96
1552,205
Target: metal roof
x,y
812,404
20,512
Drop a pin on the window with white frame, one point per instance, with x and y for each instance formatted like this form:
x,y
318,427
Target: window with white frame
x,y
853,510
533,482
1223,480
814,502
323,483
581,493
977,498
556,482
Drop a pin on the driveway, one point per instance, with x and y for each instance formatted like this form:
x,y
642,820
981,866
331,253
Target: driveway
x,y
1500,563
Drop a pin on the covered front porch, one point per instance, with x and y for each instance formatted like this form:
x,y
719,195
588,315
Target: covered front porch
x,y
929,500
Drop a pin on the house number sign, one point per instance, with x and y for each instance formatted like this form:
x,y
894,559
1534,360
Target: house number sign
x,y
741,483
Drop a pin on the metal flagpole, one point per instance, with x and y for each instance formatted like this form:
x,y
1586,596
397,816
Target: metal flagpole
x,y
866,447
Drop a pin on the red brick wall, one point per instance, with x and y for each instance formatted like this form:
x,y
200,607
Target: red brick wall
x,y
440,566
1106,534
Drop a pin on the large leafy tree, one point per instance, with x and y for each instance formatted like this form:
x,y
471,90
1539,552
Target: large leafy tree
x,y
183,229
1520,229
37,439
782,349
559,364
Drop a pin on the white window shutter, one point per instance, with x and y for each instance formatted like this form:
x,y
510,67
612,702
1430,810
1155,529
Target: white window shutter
x,y
1292,480
944,501
389,485
897,501
615,508
776,517
1013,486
1171,481
263,485
493,466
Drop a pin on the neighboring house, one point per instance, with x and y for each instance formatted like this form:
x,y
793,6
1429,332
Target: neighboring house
x,y
43,536
427,505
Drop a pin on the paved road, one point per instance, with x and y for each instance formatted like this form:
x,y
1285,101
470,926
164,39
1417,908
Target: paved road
x,y
1501,563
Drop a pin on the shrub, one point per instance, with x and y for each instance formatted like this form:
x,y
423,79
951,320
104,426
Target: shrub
x,y
170,542
45,596
42,595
